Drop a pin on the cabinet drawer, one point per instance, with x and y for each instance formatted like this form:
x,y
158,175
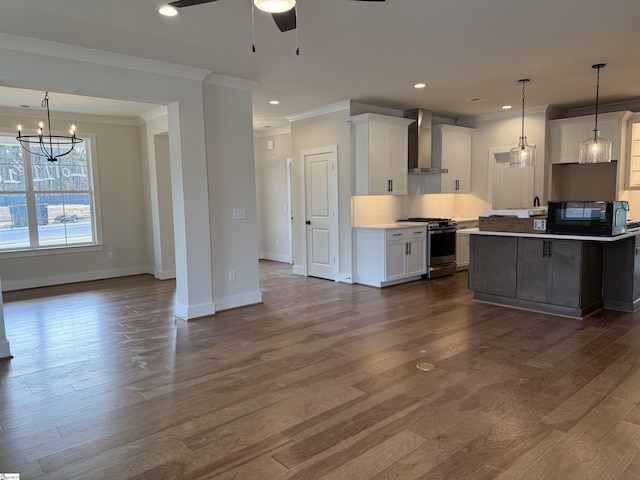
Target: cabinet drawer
x,y
396,234
417,232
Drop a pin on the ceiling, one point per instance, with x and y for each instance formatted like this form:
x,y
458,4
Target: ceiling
x,y
371,52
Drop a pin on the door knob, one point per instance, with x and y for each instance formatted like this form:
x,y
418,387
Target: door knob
x,y
308,222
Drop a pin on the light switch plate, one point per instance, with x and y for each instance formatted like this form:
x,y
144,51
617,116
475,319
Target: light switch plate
x,y
239,213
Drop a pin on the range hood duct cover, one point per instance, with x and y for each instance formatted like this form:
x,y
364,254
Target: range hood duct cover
x,y
420,142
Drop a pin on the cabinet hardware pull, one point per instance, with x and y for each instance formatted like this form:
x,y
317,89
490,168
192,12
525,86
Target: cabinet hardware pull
x,y
549,252
544,248
397,234
409,248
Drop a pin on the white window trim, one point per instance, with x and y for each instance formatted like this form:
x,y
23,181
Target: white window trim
x,y
74,248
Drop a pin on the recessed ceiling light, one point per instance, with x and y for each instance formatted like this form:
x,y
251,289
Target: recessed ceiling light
x,y
506,107
274,102
168,11
420,85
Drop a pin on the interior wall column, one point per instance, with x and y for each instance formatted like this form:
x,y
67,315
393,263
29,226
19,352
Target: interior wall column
x,y
191,220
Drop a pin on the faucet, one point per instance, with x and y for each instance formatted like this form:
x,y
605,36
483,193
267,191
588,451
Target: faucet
x,y
536,201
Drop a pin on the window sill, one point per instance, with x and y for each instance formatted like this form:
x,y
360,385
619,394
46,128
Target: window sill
x,y
66,249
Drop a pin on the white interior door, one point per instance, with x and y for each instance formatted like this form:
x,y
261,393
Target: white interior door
x,y
321,201
512,187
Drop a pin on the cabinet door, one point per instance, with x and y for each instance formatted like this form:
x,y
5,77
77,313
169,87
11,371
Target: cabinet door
x,y
564,274
492,267
564,140
462,162
397,159
416,260
395,262
462,249
532,269
455,155
449,179
378,178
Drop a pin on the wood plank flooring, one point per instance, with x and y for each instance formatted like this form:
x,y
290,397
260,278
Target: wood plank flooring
x,y
318,382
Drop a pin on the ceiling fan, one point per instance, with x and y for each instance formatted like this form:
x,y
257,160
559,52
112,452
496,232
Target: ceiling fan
x,y
285,20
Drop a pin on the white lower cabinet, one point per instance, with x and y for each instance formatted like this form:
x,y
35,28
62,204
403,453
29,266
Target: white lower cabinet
x,y
389,255
462,243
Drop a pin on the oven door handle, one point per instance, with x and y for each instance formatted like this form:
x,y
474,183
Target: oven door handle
x,y
442,231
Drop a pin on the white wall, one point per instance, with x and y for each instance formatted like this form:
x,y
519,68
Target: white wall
x,y
232,187
504,130
157,180
195,154
117,145
272,195
317,132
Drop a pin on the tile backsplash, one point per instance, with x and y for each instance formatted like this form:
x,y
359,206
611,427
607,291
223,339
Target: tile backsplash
x,y
376,209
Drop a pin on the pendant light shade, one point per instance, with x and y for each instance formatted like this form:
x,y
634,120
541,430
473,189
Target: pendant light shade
x,y
274,6
595,149
524,155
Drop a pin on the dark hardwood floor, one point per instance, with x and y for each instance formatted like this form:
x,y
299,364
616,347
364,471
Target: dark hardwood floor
x,y
320,381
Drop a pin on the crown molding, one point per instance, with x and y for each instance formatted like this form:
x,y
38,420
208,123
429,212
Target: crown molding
x,y
501,115
271,132
331,108
153,114
89,55
230,82
70,117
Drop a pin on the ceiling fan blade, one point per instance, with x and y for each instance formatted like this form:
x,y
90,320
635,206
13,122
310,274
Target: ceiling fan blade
x,y
188,3
285,20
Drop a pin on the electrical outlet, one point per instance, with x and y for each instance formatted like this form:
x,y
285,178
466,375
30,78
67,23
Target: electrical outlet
x,y
277,243
109,255
232,276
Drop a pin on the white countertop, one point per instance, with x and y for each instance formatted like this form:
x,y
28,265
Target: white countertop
x,y
389,226
592,238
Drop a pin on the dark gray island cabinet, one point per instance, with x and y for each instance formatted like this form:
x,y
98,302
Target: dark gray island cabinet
x,y
558,274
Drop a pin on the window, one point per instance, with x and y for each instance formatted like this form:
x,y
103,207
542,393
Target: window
x,y
46,204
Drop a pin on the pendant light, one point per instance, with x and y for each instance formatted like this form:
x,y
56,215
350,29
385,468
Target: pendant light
x,y
523,155
595,149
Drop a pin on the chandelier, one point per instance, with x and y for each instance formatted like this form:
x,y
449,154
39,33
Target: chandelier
x,y
52,147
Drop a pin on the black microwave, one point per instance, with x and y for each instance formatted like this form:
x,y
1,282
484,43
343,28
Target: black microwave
x,y
605,218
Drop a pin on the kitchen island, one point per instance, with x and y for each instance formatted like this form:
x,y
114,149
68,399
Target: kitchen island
x,y
569,275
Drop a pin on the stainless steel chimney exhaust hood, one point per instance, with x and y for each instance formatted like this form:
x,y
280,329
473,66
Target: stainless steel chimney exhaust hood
x,y
420,142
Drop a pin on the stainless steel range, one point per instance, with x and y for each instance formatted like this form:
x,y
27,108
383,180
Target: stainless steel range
x,y
441,246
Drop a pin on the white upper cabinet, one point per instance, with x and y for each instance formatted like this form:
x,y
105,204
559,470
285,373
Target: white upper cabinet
x,y
380,151
451,149
566,134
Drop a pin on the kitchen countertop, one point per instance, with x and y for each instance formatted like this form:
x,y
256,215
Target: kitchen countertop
x,y
389,226
592,238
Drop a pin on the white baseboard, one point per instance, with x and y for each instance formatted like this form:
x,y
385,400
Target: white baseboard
x,y
164,274
276,257
5,351
8,285
190,312
344,277
238,301
297,270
